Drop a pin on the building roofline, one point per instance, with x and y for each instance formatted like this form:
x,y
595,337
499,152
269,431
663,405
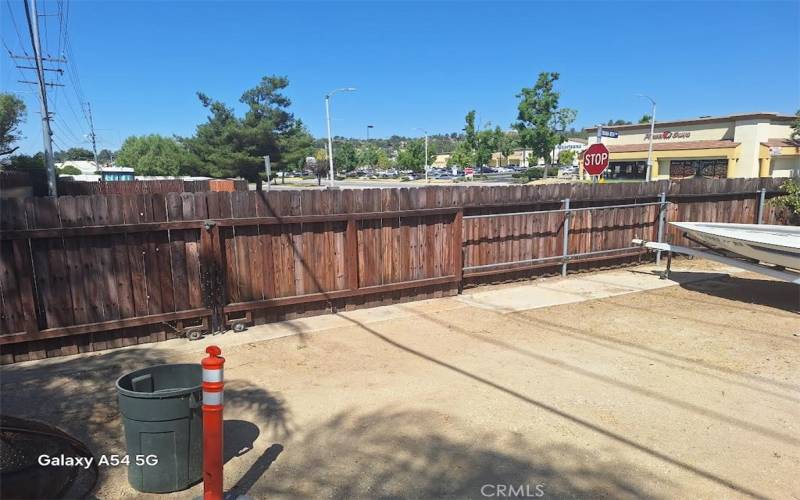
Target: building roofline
x,y
699,120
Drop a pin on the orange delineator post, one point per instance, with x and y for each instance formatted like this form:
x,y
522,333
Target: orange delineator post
x,y
212,423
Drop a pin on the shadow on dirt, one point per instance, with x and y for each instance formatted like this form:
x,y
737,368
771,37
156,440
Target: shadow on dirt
x,y
79,396
400,454
764,292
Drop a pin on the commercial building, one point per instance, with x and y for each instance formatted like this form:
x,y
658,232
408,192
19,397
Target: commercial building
x,y
740,145
524,158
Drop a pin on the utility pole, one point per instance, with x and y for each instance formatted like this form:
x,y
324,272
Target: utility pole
x,y
369,163
596,178
267,169
47,135
92,135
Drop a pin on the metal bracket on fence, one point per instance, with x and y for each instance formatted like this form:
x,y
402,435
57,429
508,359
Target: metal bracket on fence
x,y
761,198
661,218
567,219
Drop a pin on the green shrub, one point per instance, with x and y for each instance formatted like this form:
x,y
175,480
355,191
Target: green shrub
x,y
536,173
791,199
69,170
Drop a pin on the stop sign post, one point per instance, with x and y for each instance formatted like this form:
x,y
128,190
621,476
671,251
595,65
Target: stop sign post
x,y
595,159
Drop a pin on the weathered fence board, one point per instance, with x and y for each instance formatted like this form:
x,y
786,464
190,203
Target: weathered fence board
x,y
146,186
82,273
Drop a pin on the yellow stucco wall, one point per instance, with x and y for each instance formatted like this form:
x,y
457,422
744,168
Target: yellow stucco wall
x,y
661,159
712,132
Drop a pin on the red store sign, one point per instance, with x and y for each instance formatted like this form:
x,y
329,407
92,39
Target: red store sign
x,y
668,134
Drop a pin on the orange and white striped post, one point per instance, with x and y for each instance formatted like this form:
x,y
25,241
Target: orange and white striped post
x,y
212,423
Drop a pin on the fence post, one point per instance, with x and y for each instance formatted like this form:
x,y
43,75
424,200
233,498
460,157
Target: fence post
x,y
662,208
458,248
761,198
567,217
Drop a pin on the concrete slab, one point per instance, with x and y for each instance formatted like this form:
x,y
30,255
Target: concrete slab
x,y
557,291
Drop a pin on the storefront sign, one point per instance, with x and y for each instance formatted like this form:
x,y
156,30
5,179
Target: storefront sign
x,y
668,134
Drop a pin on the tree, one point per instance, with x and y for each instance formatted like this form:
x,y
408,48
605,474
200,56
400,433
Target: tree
x,y
505,143
228,146
413,155
321,154
155,155
536,113
26,162
368,156
69,170
12,115
470,137
612,123
795,134
318,164
645,118
383,161
562,119
296,145
345,157
461,156
74,154
105,156
472,151
566,157
486,144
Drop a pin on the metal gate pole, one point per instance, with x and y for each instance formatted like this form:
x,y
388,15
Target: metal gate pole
x,y
661,216
567,217
762,196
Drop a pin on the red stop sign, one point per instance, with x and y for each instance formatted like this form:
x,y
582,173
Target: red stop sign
x,y
595,159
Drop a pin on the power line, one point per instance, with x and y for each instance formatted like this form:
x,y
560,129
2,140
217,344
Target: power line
x,y
14,22
46,31
66,132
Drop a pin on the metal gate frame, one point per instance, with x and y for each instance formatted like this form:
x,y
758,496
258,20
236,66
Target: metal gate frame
x,y
565,257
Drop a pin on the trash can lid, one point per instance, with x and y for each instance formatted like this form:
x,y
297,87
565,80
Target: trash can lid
x,y
161,381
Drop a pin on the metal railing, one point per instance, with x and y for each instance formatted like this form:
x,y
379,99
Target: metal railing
x,y
565,257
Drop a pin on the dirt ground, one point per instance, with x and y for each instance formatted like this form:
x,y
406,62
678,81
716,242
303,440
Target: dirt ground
x,y
684,391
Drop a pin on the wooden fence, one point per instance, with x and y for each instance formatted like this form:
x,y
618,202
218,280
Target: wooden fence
x,y
87,273
147,186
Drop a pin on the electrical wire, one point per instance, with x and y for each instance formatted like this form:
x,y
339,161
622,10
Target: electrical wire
x,y
14,22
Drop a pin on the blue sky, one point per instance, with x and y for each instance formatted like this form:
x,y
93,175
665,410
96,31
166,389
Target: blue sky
x,y
414,64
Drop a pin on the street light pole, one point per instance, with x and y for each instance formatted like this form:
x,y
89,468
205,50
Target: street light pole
x,y
328,119
426,153
369,163
652,131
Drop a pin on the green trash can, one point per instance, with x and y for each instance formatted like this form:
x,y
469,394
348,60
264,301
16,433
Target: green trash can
x,y
161,409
